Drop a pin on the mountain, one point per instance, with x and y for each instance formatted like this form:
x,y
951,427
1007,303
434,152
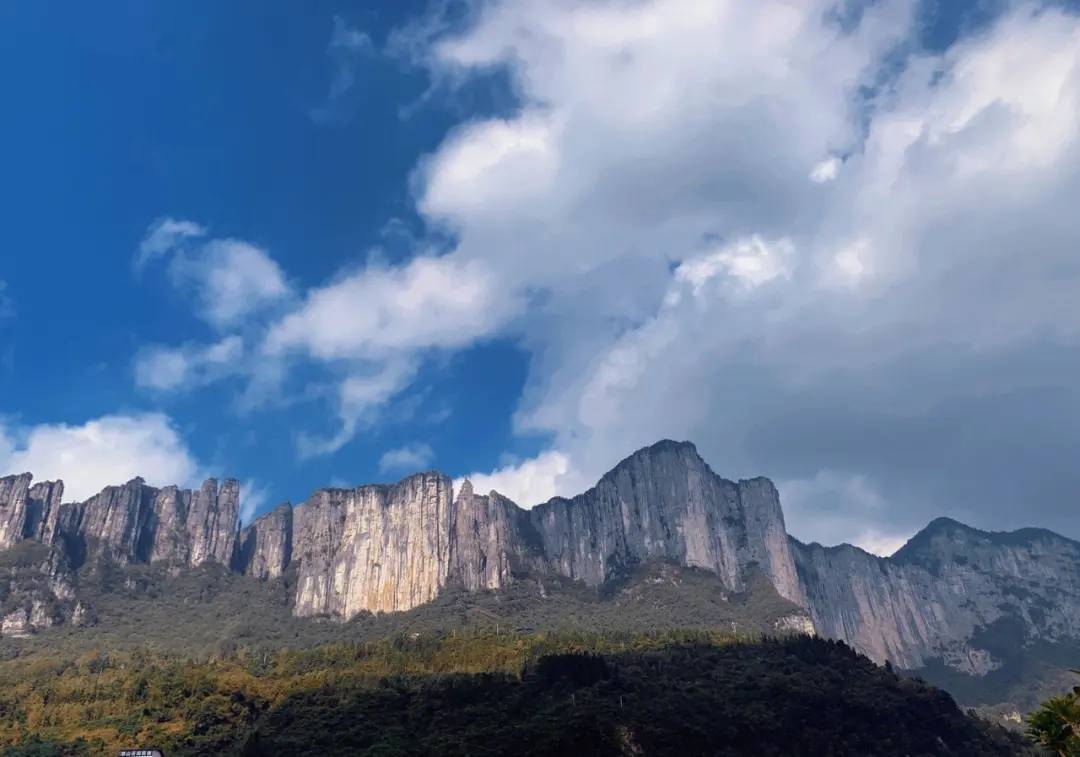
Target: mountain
x,y
954,601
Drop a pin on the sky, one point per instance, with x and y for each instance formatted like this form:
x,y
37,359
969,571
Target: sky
x,y
831,242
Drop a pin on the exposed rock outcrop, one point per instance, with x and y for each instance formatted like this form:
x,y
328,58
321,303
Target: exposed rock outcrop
x,y
387,548
373,548
491,539
265,547
137,523
664,502
27,512
933,597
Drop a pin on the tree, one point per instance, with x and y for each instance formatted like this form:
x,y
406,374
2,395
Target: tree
x,y
1056,724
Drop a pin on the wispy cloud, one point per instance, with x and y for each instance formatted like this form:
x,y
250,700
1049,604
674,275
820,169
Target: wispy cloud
x,y
164,236
348,49
411,458
7,304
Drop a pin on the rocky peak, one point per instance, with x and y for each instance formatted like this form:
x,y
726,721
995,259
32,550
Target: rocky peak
x,y
664,502
14,493
265,546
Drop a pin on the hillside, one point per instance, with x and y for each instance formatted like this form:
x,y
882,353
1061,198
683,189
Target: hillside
x,y
671,694
209,611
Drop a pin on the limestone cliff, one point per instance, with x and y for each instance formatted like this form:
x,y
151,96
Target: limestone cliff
x,y
131,523
373,548
664,502
27,512
385,548
265,547
935,597
491,539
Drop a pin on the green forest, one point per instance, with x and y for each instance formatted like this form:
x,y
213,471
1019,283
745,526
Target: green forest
x,y
692,692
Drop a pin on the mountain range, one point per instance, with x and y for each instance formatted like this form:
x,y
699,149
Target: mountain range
x,y
959,605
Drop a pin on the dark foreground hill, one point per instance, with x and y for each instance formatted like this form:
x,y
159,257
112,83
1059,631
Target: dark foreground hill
x,y
670,694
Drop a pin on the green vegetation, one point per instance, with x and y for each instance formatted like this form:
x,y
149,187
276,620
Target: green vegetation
x,y
671,693
210,612
1056,724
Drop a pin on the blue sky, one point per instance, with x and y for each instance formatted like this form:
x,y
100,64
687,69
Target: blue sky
x,y
517,240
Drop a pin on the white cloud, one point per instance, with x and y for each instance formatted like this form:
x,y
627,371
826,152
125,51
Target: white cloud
x,y
231,279
181,368
751,261
528,483
429,302
937,271
253,496
411,458
101,452
826,170
348,47
163,237
360,397
644,225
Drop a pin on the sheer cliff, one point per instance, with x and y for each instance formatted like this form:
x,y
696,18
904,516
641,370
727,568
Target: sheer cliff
x,y
946,598
939,595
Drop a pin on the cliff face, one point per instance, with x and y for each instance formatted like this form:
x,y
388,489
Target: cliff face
x,y
938,596
27,512
374,548
265,547
390,548
132,523
945,596
491,539
664,502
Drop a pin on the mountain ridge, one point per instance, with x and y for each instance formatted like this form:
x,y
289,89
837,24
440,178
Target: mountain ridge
x,y
392,547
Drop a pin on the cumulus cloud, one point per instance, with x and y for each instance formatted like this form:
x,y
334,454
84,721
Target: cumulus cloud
x,y
230,279
906,316
665,223
528,482
408,459
101,452
826,170
189,366
428,302
360,396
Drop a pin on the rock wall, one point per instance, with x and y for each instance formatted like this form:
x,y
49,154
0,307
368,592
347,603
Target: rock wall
x,y
132,523
934,598
27,512
265,547
664,502
389,548
373,548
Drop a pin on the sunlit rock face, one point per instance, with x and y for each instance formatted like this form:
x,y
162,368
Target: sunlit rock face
x,y
664,502
380,548
373,548
950,595
937,595
27,511
136,523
